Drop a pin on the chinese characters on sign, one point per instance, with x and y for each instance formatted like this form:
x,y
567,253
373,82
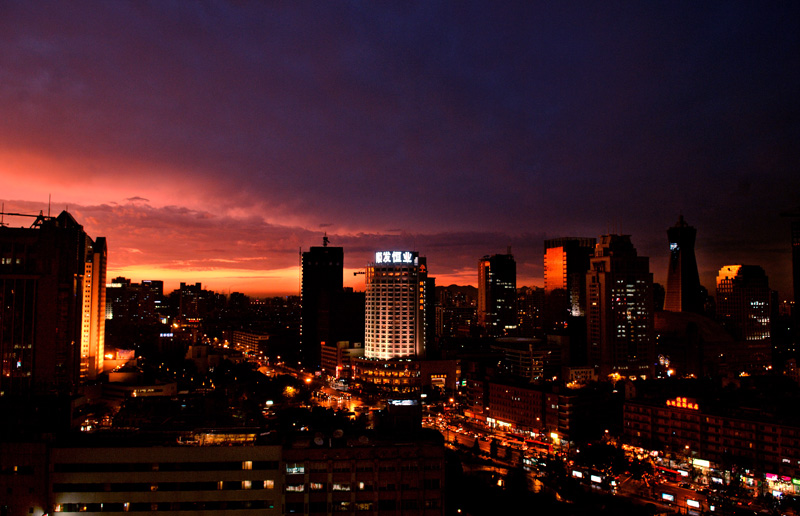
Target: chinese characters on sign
x,y
682,403
394,257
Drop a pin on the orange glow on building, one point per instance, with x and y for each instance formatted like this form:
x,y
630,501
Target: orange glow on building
x,y
555,269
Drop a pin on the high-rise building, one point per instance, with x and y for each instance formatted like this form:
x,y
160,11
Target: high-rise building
x,y
397,305
530,308
743,302
322,287
497,295
794,215
619,309
795,233
52,306
121,300
456,309
194,302
134,302
566,261
93,324
349,321
684,293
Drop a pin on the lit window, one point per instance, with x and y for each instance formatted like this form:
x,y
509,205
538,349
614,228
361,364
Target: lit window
x,y
295,467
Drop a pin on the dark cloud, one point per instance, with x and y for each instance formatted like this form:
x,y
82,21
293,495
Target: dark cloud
x,y
252,122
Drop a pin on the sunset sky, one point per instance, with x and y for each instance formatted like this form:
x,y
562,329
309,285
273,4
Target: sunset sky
x,y
211,141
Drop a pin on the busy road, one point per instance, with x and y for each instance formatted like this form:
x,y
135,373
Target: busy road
x,y
547,464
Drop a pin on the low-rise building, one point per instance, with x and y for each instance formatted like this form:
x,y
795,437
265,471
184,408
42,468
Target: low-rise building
x,y
168,479
250,343
337,359
396,377
543,408
365,475
760,442
405,377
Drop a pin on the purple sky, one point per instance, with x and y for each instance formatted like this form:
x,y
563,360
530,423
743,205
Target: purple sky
x,y
209,141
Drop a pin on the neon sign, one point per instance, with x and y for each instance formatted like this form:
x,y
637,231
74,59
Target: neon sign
x,y
683,403
394,257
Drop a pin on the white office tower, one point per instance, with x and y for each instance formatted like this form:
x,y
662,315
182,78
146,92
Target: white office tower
x,y
396,293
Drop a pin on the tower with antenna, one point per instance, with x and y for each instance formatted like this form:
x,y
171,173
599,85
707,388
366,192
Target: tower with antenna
x,y
684,293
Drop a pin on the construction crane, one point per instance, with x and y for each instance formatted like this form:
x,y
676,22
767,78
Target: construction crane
x,y
41,217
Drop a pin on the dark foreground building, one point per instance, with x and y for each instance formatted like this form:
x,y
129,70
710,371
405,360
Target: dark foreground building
x,y
52,307
216,472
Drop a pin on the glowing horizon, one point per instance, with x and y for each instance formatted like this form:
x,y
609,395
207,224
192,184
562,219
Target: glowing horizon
x,y
283,282
219,169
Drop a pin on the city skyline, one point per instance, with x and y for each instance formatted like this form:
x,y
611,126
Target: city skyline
x,y
212,143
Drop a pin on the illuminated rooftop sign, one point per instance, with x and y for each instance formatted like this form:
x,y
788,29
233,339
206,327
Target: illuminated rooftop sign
x,y
403,403
683,403
395,257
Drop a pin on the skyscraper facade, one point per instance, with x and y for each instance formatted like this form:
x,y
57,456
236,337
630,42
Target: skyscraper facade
x,y
684,293
794,216
566,261
321,291
134,302
93,324
497,295
619,309
397,305
743,302
52,285
530,307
